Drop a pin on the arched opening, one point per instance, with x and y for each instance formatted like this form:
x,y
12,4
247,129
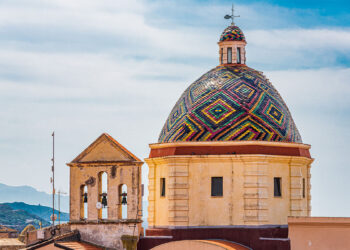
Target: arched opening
x,y
229,55
221,55
83,202
123,201
239,60
103,194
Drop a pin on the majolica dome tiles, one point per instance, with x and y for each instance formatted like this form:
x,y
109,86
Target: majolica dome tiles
x,y
232,33
230,103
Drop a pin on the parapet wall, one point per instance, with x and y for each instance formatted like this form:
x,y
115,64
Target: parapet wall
x,y
108,235
319,233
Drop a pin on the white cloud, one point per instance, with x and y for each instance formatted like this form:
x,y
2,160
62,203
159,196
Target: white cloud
x,y
322,89
333,39
299,48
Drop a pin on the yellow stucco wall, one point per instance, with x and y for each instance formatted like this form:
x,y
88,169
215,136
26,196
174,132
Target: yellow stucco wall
x,y
248,190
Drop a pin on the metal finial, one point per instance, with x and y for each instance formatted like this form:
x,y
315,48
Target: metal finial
x,y
232,16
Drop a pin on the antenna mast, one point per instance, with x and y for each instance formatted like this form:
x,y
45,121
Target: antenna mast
x,y
53,178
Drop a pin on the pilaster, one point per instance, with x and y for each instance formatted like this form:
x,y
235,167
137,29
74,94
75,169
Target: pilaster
x,y
74,196
178,192
93,199
299,206
295,190
113,194
255,191
151,191
308,190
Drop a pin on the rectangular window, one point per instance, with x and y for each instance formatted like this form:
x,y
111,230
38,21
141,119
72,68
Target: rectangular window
x,y
229,55
221,56
239,55
277,186
162,187
216,186
303,187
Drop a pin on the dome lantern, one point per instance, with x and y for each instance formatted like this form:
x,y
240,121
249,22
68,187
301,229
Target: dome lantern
x,y
232,44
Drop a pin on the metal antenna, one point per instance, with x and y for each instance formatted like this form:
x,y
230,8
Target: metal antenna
x,y
53,178
232,16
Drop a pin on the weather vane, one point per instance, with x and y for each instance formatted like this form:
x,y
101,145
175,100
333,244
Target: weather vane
x,y
232,16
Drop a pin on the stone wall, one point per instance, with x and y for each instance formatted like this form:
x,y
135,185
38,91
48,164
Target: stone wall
x,y
106,235
31,237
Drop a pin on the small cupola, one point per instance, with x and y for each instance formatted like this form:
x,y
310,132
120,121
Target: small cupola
x,y
232,44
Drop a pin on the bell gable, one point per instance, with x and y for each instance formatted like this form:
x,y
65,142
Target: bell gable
x,y
105,149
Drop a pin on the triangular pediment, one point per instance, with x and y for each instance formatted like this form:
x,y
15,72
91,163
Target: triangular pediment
x,y
105,149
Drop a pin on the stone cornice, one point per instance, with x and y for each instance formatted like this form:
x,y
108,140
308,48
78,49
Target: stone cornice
x,y
230,148
184,159
105,164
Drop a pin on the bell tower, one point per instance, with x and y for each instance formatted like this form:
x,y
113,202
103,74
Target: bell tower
x,y
105,193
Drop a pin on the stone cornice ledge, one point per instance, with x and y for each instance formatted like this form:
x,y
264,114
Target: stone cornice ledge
x,y
105,163
95,222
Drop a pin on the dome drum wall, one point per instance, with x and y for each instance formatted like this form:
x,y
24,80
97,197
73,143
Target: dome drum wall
x,y
248,193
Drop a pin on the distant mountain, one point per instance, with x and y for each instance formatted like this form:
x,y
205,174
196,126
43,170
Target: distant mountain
x,y
38,210
31,196
19,219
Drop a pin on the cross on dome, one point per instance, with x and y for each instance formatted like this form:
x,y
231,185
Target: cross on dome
x,y
232,16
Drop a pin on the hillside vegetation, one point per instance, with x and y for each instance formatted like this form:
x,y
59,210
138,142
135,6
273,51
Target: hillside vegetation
x,y
19,219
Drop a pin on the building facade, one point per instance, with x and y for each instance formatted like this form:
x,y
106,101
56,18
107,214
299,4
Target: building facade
x,y
105,193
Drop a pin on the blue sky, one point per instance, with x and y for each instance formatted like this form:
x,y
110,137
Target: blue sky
x,y
86,67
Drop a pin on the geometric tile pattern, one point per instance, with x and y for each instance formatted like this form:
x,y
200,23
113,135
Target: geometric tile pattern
x,y
230,103
232,33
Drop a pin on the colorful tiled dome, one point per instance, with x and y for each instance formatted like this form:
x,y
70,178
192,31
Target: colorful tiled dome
x,y
230,103
232,33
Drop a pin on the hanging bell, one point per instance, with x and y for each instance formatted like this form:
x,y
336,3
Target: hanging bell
x,y
85,197
104,200
124,201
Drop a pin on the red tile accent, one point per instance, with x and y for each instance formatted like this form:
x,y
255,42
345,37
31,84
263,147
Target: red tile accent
x,y
229,150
